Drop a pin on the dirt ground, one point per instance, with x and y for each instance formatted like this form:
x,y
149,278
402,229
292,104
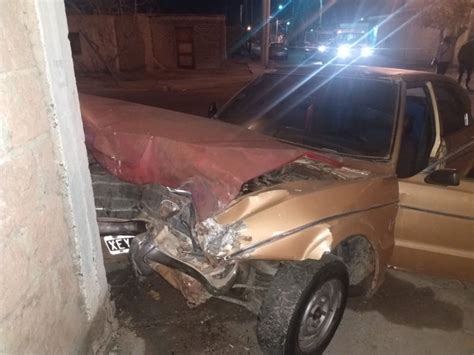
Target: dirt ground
x,y
184,91
411,314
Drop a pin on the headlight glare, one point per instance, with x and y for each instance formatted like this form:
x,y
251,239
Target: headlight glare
x,y
322,49
344,51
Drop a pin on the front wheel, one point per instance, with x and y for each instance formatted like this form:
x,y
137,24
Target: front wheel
x,y
303,307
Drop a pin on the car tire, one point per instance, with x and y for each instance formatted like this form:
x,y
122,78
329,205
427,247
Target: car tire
x,y
304,297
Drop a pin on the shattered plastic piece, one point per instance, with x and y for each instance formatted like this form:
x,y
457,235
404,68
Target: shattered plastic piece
x,y
155,295
217,239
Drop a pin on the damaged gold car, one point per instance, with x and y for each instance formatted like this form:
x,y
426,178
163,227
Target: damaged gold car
x,y
286,223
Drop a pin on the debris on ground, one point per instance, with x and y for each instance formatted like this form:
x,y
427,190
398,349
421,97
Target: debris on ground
x,y
154,294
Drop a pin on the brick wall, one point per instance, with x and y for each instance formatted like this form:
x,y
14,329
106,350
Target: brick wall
x,y
128,43
97,42
209,39
163,42
406,41
52,286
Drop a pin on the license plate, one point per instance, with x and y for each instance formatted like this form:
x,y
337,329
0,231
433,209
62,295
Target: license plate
x,y
118,244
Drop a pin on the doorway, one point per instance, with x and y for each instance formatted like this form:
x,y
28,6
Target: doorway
x,y
185,47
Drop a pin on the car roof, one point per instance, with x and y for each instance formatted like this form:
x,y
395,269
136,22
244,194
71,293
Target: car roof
x,y
358,71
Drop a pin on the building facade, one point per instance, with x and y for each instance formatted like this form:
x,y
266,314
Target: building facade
x,y
142,42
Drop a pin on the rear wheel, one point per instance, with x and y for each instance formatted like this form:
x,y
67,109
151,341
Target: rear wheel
x,y
303,307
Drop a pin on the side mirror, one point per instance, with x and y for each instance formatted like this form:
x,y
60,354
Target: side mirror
x,y
212,110
444,177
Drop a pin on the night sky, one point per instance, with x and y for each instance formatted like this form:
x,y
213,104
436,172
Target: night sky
x,y
197,6
343,11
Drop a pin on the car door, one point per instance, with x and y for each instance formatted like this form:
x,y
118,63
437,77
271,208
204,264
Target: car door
x,y
434,230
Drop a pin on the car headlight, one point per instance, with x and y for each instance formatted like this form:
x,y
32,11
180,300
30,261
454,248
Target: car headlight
x,y
344,51
366,51
322,49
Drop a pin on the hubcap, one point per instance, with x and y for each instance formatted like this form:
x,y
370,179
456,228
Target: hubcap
x,y
319,315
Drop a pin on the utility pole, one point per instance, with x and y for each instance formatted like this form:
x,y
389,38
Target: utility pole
x,y
276,29
265,41
320,13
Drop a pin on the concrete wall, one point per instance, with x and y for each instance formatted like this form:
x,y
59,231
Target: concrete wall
x,y
144,27
163,43
412,44
406,41
53,292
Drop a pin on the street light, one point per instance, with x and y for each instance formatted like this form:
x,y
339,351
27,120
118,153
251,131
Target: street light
x,y
280,7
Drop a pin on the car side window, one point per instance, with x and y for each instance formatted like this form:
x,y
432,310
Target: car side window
x,y
451,107
418,133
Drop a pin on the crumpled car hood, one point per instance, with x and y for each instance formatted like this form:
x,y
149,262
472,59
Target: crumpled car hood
x,y
283,200
211,159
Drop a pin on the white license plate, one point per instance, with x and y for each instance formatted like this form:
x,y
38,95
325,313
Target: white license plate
x,y
118,244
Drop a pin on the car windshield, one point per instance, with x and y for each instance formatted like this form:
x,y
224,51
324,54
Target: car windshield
x,y
351,38
325,38
351,116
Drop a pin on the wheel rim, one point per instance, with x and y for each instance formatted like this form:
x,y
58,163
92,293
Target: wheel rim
x,y
319,314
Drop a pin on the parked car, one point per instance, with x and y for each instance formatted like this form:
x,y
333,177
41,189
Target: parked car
x,y
348,47
278,51
289,202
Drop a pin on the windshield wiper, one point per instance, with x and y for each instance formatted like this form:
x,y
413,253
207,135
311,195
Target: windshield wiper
x,y
333,151
301,145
